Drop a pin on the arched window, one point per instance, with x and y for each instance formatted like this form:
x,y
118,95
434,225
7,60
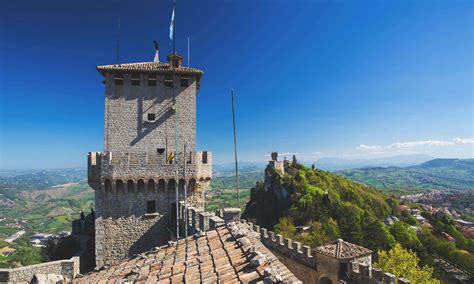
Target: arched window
x,y
161,185
119,186
151,185
130,186
140,186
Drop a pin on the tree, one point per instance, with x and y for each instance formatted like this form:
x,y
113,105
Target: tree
x,y
405,235
331,229
404,263
286,228
316,235
376,234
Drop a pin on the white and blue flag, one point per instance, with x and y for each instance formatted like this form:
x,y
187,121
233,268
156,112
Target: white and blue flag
x,y
172,25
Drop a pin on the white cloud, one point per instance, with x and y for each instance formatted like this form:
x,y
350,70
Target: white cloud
x,y
463,141
369,147
416,144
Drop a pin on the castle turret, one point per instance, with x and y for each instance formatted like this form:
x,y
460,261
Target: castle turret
x,y
146,128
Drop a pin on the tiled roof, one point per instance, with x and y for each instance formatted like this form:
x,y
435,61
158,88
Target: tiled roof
x,y
149,67
230,253
341,249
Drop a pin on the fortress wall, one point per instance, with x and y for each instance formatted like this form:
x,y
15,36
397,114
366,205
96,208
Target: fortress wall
x,y
68,268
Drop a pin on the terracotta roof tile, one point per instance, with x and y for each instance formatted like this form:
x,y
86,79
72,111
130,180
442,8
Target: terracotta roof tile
x,y
147,67
218,255
341,249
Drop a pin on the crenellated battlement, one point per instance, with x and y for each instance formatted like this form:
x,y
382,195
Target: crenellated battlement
x,y
362,273
119,168
146,158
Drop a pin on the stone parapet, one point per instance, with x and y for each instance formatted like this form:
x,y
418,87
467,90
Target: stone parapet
x,y
229,214
122,166
67,268
363,274
286,247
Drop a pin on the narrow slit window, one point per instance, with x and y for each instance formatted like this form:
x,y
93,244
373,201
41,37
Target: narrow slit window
x,y
184,81
168,81
136,80
151,80
118,80
151,206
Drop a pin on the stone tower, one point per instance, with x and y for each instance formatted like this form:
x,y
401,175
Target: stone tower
x,y
134,179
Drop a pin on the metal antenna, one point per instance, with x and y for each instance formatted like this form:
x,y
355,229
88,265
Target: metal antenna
x,y
189,58
235,150
118,41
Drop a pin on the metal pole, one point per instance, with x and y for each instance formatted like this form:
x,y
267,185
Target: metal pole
x,y
185,192
173,62
235,150
189,56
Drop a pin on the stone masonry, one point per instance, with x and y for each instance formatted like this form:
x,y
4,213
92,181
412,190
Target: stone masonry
x,y
68,268
136,176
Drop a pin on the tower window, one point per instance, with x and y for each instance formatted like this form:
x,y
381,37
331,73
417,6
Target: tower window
x,y
135,80
184,82
168,81
152,80
151,117
151,206
118,80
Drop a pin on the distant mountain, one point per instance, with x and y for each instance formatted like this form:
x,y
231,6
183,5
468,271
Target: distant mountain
x,y
334,164
34,180
457,174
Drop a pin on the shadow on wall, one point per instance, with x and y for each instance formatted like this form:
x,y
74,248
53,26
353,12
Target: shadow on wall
x,y
144,128
155,236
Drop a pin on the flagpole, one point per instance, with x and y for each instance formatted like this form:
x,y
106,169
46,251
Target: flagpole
x,y
176,121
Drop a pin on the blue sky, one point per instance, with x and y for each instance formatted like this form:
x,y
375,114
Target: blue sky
x,y
350,79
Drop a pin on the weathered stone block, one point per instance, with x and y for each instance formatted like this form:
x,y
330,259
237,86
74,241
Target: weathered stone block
x,y
388,278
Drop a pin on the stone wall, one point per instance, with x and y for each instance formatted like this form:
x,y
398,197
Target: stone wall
x,y
123,226
126,107
67,268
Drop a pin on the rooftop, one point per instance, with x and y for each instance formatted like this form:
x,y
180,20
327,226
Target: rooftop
x,y
148,67
230,253
341,249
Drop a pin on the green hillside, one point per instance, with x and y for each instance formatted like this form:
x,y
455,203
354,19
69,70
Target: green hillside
x,y
455,174
331,205
322,206
46,210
